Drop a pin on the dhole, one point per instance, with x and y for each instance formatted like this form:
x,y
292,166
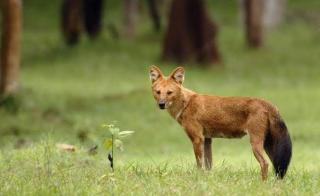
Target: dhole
x,y
204,117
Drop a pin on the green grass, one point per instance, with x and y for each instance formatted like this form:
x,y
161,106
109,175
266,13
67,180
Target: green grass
x,y
67,92
48,172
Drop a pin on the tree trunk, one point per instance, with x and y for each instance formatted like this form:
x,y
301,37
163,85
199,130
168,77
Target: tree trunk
x,y
93,11
274,11
191,35
253,22
155,14
71,20
10,46
130,17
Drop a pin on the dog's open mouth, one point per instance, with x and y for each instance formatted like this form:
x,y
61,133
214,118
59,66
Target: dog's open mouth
x,y
162,106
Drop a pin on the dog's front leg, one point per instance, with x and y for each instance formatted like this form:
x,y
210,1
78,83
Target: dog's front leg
x,y
198,151
195,134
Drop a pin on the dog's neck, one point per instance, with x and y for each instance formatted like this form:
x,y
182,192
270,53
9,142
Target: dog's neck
x,y
179,105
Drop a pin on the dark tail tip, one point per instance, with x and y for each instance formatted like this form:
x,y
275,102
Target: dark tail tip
x,y
282,155
279,149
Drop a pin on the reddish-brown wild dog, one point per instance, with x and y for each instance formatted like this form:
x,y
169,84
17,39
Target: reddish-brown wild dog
x,y
204,117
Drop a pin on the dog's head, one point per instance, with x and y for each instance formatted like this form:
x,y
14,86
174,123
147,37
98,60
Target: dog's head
x,y
166,89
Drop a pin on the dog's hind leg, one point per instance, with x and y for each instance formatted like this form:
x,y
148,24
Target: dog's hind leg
x,y
257,124
257,148
208,153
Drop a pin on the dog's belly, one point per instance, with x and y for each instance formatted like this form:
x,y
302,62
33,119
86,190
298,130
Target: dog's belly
x,y
224,133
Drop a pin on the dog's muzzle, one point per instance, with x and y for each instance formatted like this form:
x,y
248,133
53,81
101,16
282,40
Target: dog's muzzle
x,y
162,105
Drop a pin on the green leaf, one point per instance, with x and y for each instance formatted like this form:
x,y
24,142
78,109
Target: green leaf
x,y
114,131
108,143
125,133
107,125
118,143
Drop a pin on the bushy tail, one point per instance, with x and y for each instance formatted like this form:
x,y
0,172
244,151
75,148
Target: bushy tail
x,y
278,146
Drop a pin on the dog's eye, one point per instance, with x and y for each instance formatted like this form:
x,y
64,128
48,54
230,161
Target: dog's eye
x,y
158,92
169,92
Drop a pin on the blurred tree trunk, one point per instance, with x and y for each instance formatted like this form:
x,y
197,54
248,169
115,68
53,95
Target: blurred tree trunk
x,y
155,14
93,10
274,11
191,35
10,46
71,20
253,22
130,17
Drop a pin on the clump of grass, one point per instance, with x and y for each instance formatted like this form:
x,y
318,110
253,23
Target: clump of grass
x,y
10,103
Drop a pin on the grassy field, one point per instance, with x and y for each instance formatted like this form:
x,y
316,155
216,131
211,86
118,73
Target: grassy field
x,y
67,93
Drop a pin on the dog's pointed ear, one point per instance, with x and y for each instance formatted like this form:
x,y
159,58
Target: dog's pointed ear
x,y
178,75
154,73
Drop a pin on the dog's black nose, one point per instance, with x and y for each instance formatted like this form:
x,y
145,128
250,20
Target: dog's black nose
x,y
162,106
